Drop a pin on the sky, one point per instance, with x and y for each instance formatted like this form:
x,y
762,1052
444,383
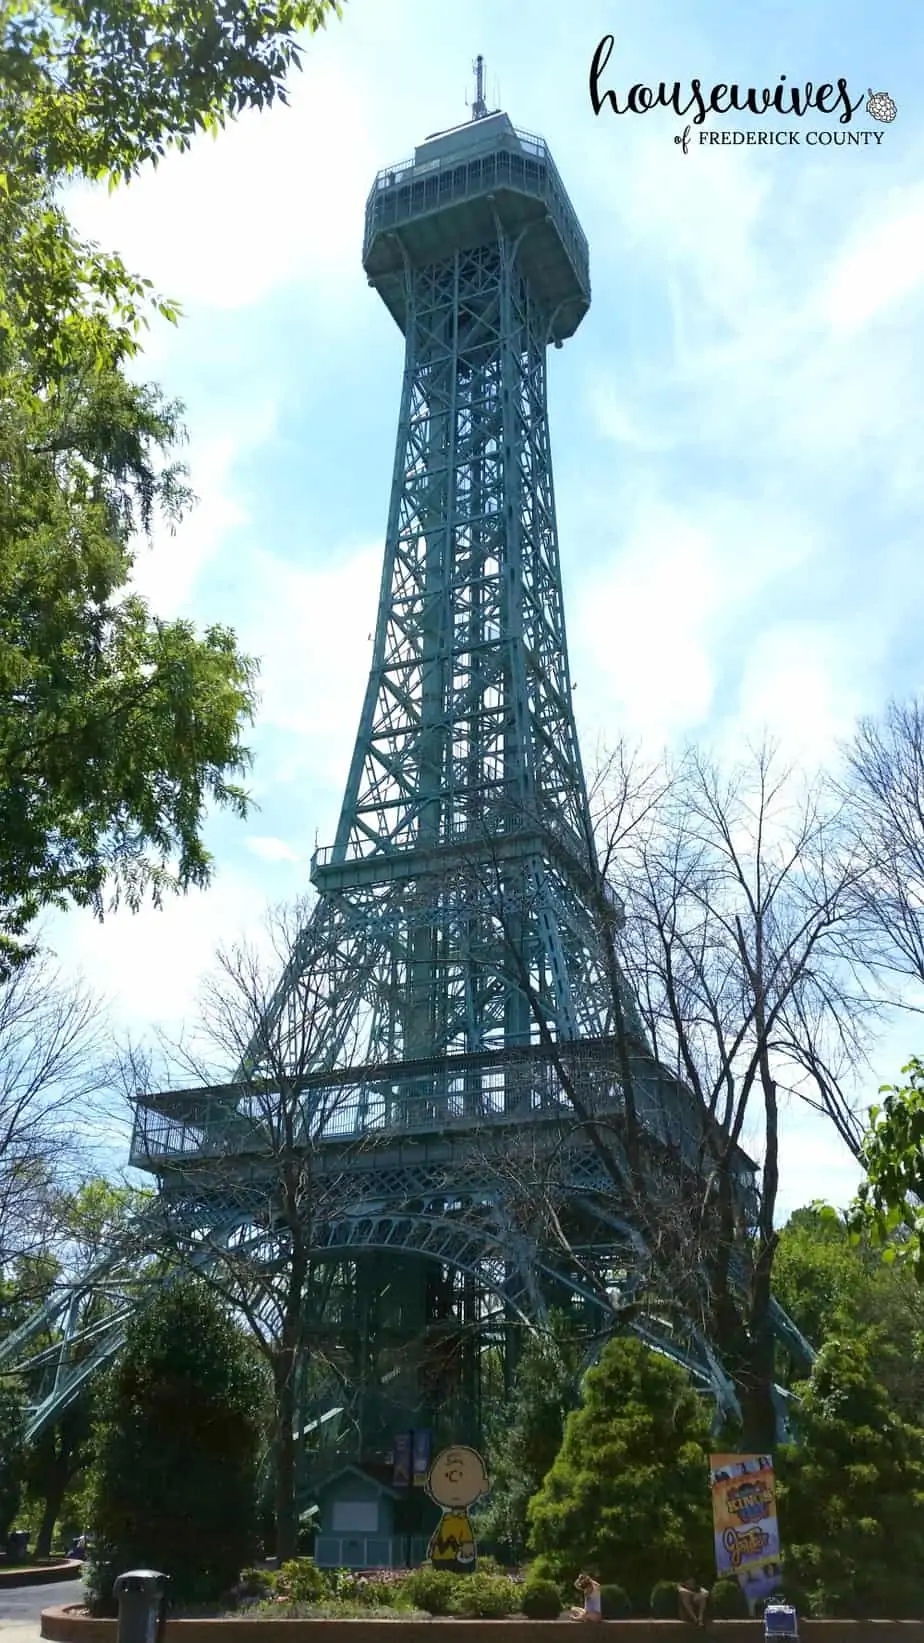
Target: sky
x,y
736,426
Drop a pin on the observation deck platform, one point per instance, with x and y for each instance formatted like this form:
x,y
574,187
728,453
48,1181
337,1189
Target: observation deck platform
x,y
379,1116
460,189
495,841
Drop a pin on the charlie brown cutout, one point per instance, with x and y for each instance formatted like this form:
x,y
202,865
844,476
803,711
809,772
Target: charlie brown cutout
x,y
458,1477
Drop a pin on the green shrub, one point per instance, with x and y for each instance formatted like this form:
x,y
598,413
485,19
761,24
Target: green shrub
x,y
378,1594
301,1581
256,1583
665,1604
12,1452
614,1603
598,1505
727,1601
431,1589
334,1609
175,1451
482,1596
540,1599
340,1584
852,1492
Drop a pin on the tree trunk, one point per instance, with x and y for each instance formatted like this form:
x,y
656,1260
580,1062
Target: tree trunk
x,y
60,1471
50,1512
285,1456
758,1412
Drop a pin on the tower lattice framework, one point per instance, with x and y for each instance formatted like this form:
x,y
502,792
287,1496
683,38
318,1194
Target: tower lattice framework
x,y
460,950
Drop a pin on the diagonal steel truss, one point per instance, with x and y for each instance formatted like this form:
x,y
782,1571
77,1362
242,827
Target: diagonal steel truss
x,y
462,925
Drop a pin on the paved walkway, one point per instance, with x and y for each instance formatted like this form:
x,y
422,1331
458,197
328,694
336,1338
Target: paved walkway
x,y
14,1631
21,1608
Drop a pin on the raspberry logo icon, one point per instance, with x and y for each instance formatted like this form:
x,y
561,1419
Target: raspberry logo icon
x,y
881,107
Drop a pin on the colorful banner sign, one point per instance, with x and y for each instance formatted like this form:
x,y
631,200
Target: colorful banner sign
x,y
747,1532
401,1457
421,1452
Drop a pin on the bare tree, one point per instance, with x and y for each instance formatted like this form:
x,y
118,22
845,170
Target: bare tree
x,y
53,1071
254,1161
884,800
740,946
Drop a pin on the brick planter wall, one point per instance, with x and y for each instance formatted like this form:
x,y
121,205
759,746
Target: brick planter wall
x,y
65,1625
39,1576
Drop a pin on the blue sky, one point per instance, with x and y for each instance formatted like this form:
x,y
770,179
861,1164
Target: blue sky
x,y
737,425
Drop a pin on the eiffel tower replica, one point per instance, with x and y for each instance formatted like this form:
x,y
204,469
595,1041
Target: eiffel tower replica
x,y
460,952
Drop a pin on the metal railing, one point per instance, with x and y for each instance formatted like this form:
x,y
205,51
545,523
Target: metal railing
x,y
408,189
347,1114
502,821
438,1101
369,1551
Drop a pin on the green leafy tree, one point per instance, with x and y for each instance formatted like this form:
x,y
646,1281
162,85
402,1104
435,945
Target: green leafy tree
x,y
12,1453
835,1286
174,1477
527,1434
628,1493
91,1220
116,729
890,1203
102,89
852,1493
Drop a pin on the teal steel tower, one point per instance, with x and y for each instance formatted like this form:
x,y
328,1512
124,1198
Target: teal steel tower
x,y
461,953
463,858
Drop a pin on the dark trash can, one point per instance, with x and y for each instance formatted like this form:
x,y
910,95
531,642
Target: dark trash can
x,y
142,1598
17,1545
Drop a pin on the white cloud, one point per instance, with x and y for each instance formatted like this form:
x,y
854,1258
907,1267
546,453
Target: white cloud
x,y
767,312
698,216
638,630
167,572
312,627
646,632
814,1165
273,850
269,201
783,420
881,265
149,964
803,682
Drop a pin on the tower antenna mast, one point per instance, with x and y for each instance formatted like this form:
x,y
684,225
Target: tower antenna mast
x,y
479,106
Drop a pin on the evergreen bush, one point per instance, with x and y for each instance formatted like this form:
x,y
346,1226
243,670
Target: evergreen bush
x,y
430,1589
490,1565
614,1603
12,1453
727,1601
526,1433
301,1581
628,1490
481,1596
540,1599
375,1592
173,1483
664,1602
852,1494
